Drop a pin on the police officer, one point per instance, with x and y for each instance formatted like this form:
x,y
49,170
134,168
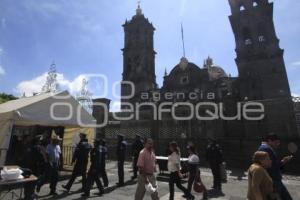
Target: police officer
x,y
214,156
121,153
93,173
104,155
80,158
137,146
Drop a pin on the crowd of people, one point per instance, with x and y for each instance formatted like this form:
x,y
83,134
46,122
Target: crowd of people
x,y
264,175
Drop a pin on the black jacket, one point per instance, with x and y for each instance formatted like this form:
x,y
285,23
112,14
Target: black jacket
x,y
214,154
81,156
96,158
104,155
121,150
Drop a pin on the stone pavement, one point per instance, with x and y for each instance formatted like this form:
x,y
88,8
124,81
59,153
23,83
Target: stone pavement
x,y
234,189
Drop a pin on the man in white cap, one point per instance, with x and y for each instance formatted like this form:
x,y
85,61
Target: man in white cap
x,y
54,152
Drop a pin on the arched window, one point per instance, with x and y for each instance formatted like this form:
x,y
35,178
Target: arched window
x,y
184,80
242,8
261,38
262,33
255,4
247,36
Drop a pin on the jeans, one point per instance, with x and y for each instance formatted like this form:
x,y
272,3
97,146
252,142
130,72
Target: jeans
x,y
191,180
175,179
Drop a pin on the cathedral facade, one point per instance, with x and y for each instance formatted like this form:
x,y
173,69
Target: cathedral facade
x,y
261,79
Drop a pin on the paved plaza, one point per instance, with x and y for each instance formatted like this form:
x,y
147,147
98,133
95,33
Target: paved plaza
x,y
234,189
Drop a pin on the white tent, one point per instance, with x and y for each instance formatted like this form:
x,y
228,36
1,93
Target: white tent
x,y
49,109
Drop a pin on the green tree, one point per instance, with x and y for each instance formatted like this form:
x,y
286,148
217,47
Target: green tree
x,y
6,97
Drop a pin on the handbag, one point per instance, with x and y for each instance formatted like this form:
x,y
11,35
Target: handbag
x,y
198,186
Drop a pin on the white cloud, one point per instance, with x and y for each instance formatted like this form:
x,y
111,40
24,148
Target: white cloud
x,y
31,86
2,71
73,86
35,85
296,63
115,106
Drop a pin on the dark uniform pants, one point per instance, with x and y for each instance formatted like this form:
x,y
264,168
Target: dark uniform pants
x,y
135,167
121,171
29,191
46,174
216,171
103,175
75,174
93,176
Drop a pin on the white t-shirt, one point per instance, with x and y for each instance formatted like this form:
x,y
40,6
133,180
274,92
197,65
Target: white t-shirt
x,y
173,162
193,159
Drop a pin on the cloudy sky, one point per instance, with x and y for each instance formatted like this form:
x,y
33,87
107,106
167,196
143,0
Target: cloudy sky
x,y
84,38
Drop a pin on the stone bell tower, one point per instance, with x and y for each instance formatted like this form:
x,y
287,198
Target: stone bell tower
x,y
259,58
138,56
262,73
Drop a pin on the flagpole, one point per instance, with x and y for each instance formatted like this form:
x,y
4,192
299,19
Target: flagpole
x,y
182,37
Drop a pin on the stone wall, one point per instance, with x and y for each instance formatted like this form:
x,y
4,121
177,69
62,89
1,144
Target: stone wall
x,y
238,148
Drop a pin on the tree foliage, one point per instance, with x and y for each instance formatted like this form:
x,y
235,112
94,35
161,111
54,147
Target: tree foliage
x,y
6,97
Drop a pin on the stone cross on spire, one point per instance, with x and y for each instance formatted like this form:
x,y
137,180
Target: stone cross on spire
x,y
139,10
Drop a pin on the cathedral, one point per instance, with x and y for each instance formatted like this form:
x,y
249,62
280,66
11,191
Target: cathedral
x,y
262,79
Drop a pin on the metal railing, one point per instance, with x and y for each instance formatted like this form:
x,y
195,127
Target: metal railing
x,y
67,152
